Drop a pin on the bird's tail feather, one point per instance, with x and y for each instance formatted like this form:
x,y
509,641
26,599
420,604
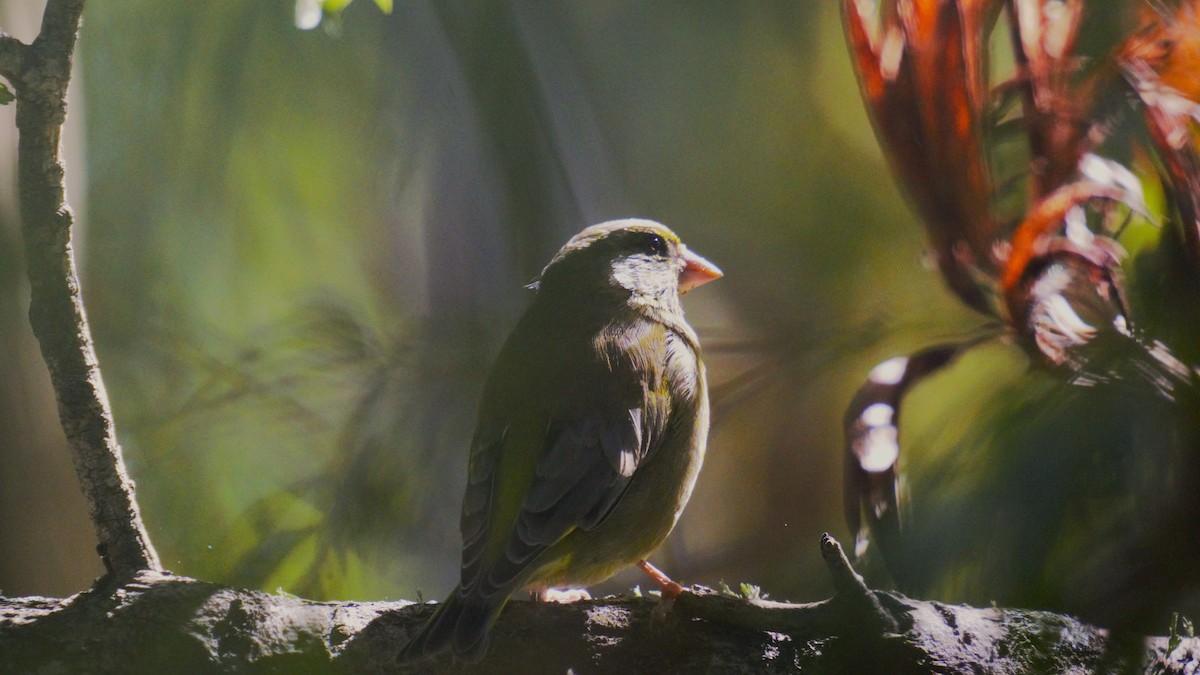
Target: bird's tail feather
x,y
461,623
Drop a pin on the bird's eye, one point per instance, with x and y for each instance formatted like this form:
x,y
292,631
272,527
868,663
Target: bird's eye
x,y
656,245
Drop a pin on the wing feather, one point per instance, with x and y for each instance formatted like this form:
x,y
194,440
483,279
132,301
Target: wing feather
x,y
591,449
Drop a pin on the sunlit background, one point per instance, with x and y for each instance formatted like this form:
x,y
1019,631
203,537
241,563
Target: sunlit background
x,y
302,248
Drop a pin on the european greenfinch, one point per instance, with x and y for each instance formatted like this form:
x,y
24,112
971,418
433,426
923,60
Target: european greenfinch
x,y
591,431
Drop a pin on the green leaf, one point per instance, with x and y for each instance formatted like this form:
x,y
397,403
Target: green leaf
x,y
384,6
752,592
1181,627
6,95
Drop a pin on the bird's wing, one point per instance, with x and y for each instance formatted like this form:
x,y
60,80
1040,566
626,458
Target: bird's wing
x,y
478,505
589,454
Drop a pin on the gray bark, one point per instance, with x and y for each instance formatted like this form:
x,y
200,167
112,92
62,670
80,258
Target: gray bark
x,y
163,623
40,72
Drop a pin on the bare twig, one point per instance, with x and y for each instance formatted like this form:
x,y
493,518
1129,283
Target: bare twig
x,y
55,308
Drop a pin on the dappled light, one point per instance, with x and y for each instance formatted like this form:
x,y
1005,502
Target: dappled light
x,y
309,227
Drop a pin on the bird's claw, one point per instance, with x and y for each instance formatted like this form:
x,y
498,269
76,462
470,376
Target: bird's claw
x,y
670,590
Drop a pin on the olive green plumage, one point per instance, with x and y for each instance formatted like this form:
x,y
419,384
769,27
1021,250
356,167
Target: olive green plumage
x,y
591,429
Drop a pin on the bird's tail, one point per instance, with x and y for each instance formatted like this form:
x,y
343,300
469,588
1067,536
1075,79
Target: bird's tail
x,y
462,624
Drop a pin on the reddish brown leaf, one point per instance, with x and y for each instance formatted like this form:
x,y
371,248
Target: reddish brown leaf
x,y
923,83
1046,218
1169,46
1055,112
1161,61
872,432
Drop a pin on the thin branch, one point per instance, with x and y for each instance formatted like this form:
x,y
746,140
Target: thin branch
x,y
56,310
60,24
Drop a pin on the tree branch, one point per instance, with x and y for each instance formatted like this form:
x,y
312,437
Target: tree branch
x,y
12,56
200,626
56,310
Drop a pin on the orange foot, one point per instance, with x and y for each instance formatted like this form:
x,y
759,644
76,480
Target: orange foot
x,y
670,589
561,596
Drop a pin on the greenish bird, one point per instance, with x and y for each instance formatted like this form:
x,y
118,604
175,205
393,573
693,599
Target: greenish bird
x,y
591,431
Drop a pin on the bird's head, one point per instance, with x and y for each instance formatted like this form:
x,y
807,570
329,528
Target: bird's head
x,y
640,261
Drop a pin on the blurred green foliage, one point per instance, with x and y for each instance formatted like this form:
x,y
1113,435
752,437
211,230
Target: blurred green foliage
x,y
301,251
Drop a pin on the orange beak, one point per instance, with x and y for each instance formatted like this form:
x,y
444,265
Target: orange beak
x,y
696,271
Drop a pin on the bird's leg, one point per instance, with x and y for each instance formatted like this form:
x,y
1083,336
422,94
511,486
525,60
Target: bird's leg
x,y
670,589
561,596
